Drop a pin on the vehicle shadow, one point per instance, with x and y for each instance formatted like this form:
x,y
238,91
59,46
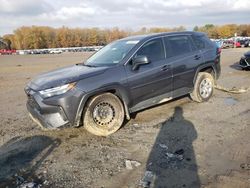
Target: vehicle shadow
x,y
134,114
236,66
172,161
22,156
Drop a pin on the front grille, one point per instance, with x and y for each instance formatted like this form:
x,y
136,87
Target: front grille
x,y
33,103
245,62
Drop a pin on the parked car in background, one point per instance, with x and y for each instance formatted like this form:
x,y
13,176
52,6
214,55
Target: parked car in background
x,y
245,61
237,44
35,52
7,52
232,44
44,52
56,51
219,43
228,44
243,43
123,77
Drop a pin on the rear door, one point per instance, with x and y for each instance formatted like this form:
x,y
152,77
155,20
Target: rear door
x,y
205,47
184,59
208,50
152,79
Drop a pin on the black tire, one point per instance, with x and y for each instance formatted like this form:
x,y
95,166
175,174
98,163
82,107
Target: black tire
x,y
203,88
103,114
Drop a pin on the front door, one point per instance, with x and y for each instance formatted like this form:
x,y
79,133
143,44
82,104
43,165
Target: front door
x,y
152,79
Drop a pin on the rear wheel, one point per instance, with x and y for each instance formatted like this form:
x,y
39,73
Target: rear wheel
x,y
103,115
203,88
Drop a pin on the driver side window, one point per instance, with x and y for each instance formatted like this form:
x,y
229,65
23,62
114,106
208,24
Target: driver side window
x,y
153,49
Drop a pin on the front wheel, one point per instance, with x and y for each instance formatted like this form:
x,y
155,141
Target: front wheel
x,y
103,114
203,88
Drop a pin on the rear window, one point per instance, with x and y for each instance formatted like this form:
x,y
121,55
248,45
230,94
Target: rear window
x,y
179,44
201,42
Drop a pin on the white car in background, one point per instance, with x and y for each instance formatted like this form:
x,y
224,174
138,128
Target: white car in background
x,y
55,51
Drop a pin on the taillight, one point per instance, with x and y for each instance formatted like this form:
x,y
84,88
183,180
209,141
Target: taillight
x,y
218,50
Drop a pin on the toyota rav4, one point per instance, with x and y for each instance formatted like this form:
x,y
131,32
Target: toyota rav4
x,y
125,76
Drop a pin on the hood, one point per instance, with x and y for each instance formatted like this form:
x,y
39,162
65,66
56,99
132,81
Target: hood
x,y
63,76
247,54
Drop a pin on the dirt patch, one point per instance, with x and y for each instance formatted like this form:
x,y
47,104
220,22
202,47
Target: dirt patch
x,y
21,157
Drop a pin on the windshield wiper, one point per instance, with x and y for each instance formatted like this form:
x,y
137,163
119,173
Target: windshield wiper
x,y
89,65
83,64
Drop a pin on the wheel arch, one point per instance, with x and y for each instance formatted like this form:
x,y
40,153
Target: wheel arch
x,y
118,91
206,68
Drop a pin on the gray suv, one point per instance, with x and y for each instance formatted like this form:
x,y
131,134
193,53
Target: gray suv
x,y
125,76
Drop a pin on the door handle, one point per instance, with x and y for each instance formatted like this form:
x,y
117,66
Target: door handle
x,y
165,67
197,57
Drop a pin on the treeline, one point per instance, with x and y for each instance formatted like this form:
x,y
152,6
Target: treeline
x,y
224,31
37,37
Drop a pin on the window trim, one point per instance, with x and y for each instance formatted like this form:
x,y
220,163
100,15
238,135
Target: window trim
x,y
193,48
141,47
198,36
156,37
162,44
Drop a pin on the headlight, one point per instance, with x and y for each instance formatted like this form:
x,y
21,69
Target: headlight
x,y
56,90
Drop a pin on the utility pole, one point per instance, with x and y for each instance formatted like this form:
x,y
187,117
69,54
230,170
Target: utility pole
x,y
235,36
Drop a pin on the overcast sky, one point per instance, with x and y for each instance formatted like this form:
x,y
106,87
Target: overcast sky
x,y
126,14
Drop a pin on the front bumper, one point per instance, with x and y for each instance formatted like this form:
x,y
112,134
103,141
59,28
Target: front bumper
x,y
48,120
55,112
244,62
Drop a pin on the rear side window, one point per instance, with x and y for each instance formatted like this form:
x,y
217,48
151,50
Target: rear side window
x,y
201,41
153,49
179,45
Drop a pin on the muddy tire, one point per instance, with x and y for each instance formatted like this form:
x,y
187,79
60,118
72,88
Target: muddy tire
x,y
103,114
203,88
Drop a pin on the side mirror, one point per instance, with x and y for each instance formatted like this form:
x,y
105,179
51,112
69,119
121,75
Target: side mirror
x,y
138,61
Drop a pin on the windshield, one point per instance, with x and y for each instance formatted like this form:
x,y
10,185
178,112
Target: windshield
x,y
111,54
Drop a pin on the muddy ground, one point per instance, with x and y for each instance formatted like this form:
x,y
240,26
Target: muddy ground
x,y
183,144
